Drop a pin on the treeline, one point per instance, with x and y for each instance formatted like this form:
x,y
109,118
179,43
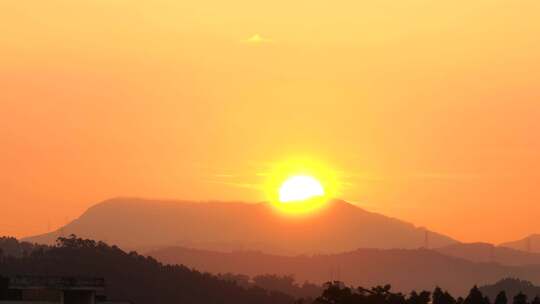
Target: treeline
x,y
132,277
338,293
512,287
10,246
285,284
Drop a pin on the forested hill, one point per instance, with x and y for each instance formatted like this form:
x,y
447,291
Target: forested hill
x,y
132,277
10,246
512,287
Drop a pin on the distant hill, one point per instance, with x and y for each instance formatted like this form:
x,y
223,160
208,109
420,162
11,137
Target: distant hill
x,y
134,278
511,287
484,252
138,223
404,269
530,243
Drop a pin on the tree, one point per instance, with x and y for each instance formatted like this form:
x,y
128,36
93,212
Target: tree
x,y
419,298
501,298
442,297
335,293
284,284
474,297
520,298
396,298
381,295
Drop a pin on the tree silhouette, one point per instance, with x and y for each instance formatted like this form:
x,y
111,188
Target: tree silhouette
x,y
419,298
336,293
475,297
520,298
501,298
442,297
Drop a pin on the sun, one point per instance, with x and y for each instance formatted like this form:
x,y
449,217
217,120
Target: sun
x,y
300,188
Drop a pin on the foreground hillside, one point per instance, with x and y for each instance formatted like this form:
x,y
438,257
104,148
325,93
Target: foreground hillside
x,y
404,269
132,277
136,223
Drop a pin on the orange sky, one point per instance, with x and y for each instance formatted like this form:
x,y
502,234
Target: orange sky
x,y
429,108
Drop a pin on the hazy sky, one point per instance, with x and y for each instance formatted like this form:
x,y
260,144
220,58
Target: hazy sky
x,y
430,109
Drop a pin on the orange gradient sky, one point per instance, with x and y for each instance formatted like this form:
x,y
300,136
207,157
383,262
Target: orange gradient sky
x,y
429,109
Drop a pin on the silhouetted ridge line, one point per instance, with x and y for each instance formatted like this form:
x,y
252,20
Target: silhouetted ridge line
x,y
140,224
405,269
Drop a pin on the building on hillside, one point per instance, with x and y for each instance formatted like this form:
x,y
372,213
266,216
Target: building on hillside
x,y
53,290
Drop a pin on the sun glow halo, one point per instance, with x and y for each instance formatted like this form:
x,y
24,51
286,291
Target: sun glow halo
x,y
301,186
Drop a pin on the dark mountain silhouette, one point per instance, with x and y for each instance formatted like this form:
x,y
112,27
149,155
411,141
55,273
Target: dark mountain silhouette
x,y
511,287
530,243
485,252
138,223
132,277
404,269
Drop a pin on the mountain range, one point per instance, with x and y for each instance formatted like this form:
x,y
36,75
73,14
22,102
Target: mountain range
x,y
404,269
345,242
143,224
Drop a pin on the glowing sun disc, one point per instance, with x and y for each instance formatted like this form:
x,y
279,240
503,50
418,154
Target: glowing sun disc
x,y
300,188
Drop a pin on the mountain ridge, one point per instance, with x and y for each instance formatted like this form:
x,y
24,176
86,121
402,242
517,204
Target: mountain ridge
x,y
404,269
486,252
530,243
135,223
